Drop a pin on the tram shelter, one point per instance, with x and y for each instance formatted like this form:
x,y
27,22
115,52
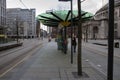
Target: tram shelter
x,y
62,20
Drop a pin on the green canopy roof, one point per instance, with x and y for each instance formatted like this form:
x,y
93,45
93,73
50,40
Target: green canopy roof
x,y
53,19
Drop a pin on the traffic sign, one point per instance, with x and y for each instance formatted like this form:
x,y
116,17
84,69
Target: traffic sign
x,y
65,23
64,0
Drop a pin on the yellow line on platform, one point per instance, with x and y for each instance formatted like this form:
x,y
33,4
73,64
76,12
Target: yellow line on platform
x,y
25,58
11,68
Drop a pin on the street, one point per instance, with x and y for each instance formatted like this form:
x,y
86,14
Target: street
x,y
99,60
44,53
11,57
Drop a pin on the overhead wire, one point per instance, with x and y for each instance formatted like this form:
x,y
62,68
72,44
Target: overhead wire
x,y
23,4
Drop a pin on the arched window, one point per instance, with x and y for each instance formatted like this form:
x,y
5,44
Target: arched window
x,y
115,34
95,32
95,29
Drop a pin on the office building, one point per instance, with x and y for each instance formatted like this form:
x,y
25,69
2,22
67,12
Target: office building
x,y
2,16
23,21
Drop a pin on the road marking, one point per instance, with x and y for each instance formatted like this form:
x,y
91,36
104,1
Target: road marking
x,y
86,60
99,65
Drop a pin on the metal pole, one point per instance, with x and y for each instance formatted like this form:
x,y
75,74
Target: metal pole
x,y
79,60
65,39
110,40
71,33
17,30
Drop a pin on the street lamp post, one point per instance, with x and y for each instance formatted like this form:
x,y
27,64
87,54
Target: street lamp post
x,y
79,60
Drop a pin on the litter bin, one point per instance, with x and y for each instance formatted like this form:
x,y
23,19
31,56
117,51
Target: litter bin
x,y
116,44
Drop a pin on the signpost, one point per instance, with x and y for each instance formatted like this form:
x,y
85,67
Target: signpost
x,y
71,32
64,0
67,23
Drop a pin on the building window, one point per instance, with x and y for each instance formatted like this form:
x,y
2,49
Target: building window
x,y
95,32
115,34
116,15
119,12
115,26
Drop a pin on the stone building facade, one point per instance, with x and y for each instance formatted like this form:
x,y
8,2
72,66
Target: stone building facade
x,y
38,28
98,27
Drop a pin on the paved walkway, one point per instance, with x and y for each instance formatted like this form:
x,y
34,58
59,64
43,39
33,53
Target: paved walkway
x,y
51,64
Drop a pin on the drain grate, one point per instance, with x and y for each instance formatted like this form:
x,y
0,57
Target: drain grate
x,y
84,75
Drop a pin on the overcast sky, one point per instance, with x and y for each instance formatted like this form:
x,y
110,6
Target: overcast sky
x,y
42,5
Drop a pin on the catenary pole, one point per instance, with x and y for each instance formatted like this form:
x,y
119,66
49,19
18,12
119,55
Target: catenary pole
x,y
110,40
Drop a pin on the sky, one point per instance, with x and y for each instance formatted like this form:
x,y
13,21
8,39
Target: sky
x,y
42,5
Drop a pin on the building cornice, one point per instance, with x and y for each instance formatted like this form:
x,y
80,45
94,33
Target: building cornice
x,y
117,4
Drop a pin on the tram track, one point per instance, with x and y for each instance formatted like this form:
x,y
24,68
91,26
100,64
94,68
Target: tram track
x,y
7,52
5,67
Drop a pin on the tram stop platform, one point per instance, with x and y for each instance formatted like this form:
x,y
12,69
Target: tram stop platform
x,y
48,63
10,45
